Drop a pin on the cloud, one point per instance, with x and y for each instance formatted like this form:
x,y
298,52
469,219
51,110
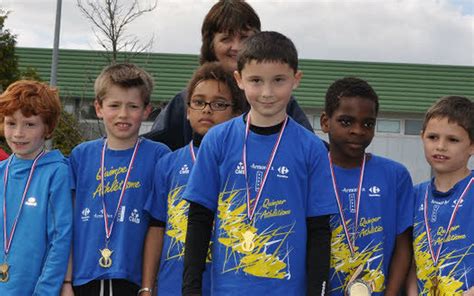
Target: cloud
x,y
402,31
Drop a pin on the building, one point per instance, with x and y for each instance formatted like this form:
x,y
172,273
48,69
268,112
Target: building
x,y
405,91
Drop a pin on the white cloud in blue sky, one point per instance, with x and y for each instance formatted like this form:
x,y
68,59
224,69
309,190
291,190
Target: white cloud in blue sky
x,y
402,31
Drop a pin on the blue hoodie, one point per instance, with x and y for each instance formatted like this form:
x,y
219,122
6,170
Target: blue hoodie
x,y
40,248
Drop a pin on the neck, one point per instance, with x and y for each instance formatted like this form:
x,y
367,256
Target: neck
x,y
264,121
197,139
348,163
444,182
116,144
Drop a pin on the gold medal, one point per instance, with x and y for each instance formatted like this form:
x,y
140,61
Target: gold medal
x,y
248,245
105,261
4,272
434,286
357,286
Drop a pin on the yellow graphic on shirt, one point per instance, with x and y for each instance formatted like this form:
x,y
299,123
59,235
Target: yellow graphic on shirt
x,y
344,264
451,283
113,185
248,248
177,223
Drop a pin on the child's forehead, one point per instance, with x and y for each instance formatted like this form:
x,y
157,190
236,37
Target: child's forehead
x,y
352,103
211,86
255,65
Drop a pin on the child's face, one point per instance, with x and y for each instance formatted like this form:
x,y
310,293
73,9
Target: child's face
x,y
268,87
213,92
25,135
351,130
226,46
447,146
123,111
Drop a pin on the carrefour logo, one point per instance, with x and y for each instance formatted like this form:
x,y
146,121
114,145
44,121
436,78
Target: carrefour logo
x,y
374,191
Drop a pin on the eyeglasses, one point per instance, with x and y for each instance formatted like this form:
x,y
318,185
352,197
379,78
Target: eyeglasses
x,y
215,106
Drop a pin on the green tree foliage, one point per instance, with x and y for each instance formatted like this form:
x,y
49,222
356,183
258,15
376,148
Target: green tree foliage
x,y
8,60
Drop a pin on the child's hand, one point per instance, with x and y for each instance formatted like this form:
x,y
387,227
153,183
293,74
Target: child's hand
x,y
469,292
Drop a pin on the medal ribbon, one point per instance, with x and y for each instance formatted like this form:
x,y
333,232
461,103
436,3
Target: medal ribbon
x,y
250,209
191,150
339,204
434,256
7,242
108,230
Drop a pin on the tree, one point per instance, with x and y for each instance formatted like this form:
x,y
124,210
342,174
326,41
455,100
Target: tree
x,y
110,19
8,60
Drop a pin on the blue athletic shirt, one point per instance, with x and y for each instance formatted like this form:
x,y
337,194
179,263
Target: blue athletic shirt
x,y
456,261
131,223
41,244
385,211
265,256
167,205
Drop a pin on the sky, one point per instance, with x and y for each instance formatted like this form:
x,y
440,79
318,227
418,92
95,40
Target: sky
x,y
395,31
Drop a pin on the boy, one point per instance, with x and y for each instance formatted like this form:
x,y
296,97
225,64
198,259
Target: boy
x,y
36,219
112,178
443,228
224,29
265,177
213,97
370,246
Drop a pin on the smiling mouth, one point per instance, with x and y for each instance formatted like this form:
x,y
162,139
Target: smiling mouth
x,y
440,157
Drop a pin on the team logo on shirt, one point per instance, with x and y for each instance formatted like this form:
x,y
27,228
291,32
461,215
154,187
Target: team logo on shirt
x,y
85,214
134,217
240,169
283,172
121,214
31,201
184,170
374,191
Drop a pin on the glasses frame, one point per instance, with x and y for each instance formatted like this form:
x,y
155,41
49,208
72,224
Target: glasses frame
x,y
227,105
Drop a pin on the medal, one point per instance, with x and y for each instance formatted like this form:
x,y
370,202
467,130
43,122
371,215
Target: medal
x,y
4,272
248,245
105,261
434,286
7,240
251,209
357,286
350,241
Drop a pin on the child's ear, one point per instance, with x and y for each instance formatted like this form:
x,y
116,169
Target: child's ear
x,y
298,76
324,122
187,113
98,108
147,111
238,79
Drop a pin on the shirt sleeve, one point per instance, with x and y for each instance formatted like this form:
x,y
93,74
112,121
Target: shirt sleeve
x,y
59,235
322,200
157,203
405,200
204,181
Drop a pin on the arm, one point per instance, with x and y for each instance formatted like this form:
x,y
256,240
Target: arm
x,y
318,255
66,289
59,235
151,255
411,284
400,263
198,235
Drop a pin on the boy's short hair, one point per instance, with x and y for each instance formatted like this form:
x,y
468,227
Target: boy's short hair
x,y
32,98
456,109
268,46
215,71
123,75
348,87
229,16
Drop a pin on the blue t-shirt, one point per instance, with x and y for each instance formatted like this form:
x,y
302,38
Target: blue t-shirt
x,y
268,254
167,205
385,211
455,269
41,244
131,223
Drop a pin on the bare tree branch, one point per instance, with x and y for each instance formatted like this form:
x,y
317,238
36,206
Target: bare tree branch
x,y
110,19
